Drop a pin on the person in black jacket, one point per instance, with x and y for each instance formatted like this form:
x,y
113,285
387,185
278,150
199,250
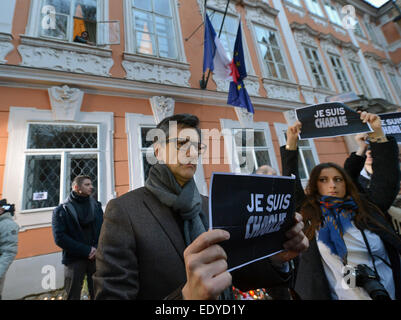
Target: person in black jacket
x,y
76,227
347,229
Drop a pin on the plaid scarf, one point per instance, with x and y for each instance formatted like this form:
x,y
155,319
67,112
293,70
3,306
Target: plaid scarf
x,y
338,214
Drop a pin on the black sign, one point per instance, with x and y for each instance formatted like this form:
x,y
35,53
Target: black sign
x,y
256,210
391,124
329,120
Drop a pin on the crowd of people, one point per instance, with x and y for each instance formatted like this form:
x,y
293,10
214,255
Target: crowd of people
x,y
154,242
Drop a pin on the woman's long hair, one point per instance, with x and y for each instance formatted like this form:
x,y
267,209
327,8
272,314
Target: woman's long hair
x,y
311,211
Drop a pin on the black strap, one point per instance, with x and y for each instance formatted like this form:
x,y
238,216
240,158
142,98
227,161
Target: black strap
x,y
370,252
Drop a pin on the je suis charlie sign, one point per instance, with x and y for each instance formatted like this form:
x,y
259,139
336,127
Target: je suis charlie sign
x,y
329,120
256,210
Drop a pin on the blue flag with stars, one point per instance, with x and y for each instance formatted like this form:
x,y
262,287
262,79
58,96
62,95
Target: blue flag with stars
x,y
237,95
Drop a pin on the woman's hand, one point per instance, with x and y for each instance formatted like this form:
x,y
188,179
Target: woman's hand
x,y
292,135
360,139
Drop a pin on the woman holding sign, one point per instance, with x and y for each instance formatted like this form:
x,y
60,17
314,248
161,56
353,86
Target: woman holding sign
x,y
354,253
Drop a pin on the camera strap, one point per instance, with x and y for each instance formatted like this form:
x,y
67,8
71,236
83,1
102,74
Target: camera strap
x,y
370,252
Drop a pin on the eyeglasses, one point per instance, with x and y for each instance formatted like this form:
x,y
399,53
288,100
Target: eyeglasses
x,y
185,144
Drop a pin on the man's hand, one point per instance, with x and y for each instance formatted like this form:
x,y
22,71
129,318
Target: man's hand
x,y
92,254
296,244
206,267
292,135
374,120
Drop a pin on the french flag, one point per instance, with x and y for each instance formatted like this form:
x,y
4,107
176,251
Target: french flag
x,y
214,56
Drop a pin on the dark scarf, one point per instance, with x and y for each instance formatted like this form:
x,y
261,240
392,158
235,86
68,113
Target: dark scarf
x,y
186,200
82,205
338,214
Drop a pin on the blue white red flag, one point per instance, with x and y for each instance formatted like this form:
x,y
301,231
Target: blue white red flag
x,y
214,56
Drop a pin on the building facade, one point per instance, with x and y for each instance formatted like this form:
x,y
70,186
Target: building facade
x,y
70,108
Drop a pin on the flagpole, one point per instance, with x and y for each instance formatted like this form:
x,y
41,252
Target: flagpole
x,y
203,83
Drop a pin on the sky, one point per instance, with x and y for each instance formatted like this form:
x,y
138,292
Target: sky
x,y
377,3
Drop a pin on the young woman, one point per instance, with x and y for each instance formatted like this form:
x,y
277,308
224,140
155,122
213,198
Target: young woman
x,y
346,229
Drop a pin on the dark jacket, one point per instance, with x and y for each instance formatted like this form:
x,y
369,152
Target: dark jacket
x,y
68,233
140,254
311,282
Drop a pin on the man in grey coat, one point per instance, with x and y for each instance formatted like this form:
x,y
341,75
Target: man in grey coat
x,y
8,244
154,242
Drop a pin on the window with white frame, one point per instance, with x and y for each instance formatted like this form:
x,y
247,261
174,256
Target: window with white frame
x,y
395,83
382,84
360,79
67,20
295,2
316,67
154,29
340,73
140,152
55,154
71,17
372,32
270,51
332,13
358,28
307,154
248,148
228,34
314,7
46,155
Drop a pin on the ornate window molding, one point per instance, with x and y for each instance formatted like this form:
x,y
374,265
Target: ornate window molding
x,y
293,8
66,103
281,90
162,107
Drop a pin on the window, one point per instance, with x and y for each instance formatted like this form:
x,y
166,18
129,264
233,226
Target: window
x,y
396,85
314,7
249,148
270,51
360,79
40,167
307,156
340,73
228,32
358,29
54,156
316,68
295,2
382,84
139,150
371,30
332,13
228,35
154,30
72,18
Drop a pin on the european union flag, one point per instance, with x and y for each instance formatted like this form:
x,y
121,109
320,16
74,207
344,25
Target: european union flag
x,y
238,56
238,96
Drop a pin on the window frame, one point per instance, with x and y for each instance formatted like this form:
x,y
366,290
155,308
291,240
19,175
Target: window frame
x,y
342,72
14,177
359,78
322,64
261,59
228,126
395,83
130,39
133,124
314,7
34,21
280,129
64,153
382,84
330,10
